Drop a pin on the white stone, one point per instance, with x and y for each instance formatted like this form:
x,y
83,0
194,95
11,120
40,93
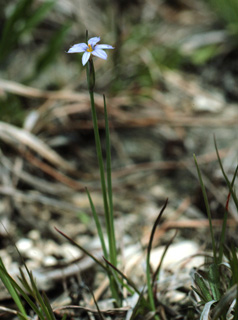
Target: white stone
x,y
51,248
70,252
176,254
34,235
35,254
49,261
207,104
24,245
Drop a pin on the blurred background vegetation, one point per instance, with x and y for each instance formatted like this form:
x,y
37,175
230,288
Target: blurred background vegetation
x,y
149,36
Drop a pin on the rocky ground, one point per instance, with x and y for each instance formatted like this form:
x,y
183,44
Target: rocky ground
x,y
46,165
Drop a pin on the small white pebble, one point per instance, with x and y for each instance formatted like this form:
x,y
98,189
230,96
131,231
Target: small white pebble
x,y
207,104
24,245
35,254
33,264
70,252
34,235
49,261
50,248
6,258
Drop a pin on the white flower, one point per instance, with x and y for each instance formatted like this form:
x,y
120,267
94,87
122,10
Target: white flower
x,y
91,48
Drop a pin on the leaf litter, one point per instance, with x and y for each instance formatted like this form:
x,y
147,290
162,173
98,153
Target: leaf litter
x,y
46,166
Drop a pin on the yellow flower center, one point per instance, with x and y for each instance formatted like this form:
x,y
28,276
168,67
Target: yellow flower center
x,y
90,49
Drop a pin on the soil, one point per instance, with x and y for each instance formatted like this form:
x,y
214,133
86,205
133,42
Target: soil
x,y
154,135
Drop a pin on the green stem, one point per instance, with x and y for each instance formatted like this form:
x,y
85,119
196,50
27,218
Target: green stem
x,y
107,196
111,237
109,181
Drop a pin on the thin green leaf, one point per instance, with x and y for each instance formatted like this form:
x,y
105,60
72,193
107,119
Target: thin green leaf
x,y
37,16
230,185
82,249
64,317
233,261
203,288
40,300
24,295
111,237
10,34
98,225
109,176
214,281
48,306
224,303
25,283
98,309
52,49
108,218
11,288
222,237
199,293
157,271
22,317
130,282
138,306
148,276
114,287
207,209
23,20
31,289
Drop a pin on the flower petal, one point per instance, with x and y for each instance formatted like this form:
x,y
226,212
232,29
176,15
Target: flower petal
x,y
85,57
104,46
80,47
93,41
100,53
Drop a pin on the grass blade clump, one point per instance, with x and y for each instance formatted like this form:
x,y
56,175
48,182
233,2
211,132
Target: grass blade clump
x,y
107,197
214,281
217,287
106,194
202,288
229,184
222,307
5,277
207,210
22,20
38,304
157,271
148,273
98,225
206,310
109,175
227,10
47,57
